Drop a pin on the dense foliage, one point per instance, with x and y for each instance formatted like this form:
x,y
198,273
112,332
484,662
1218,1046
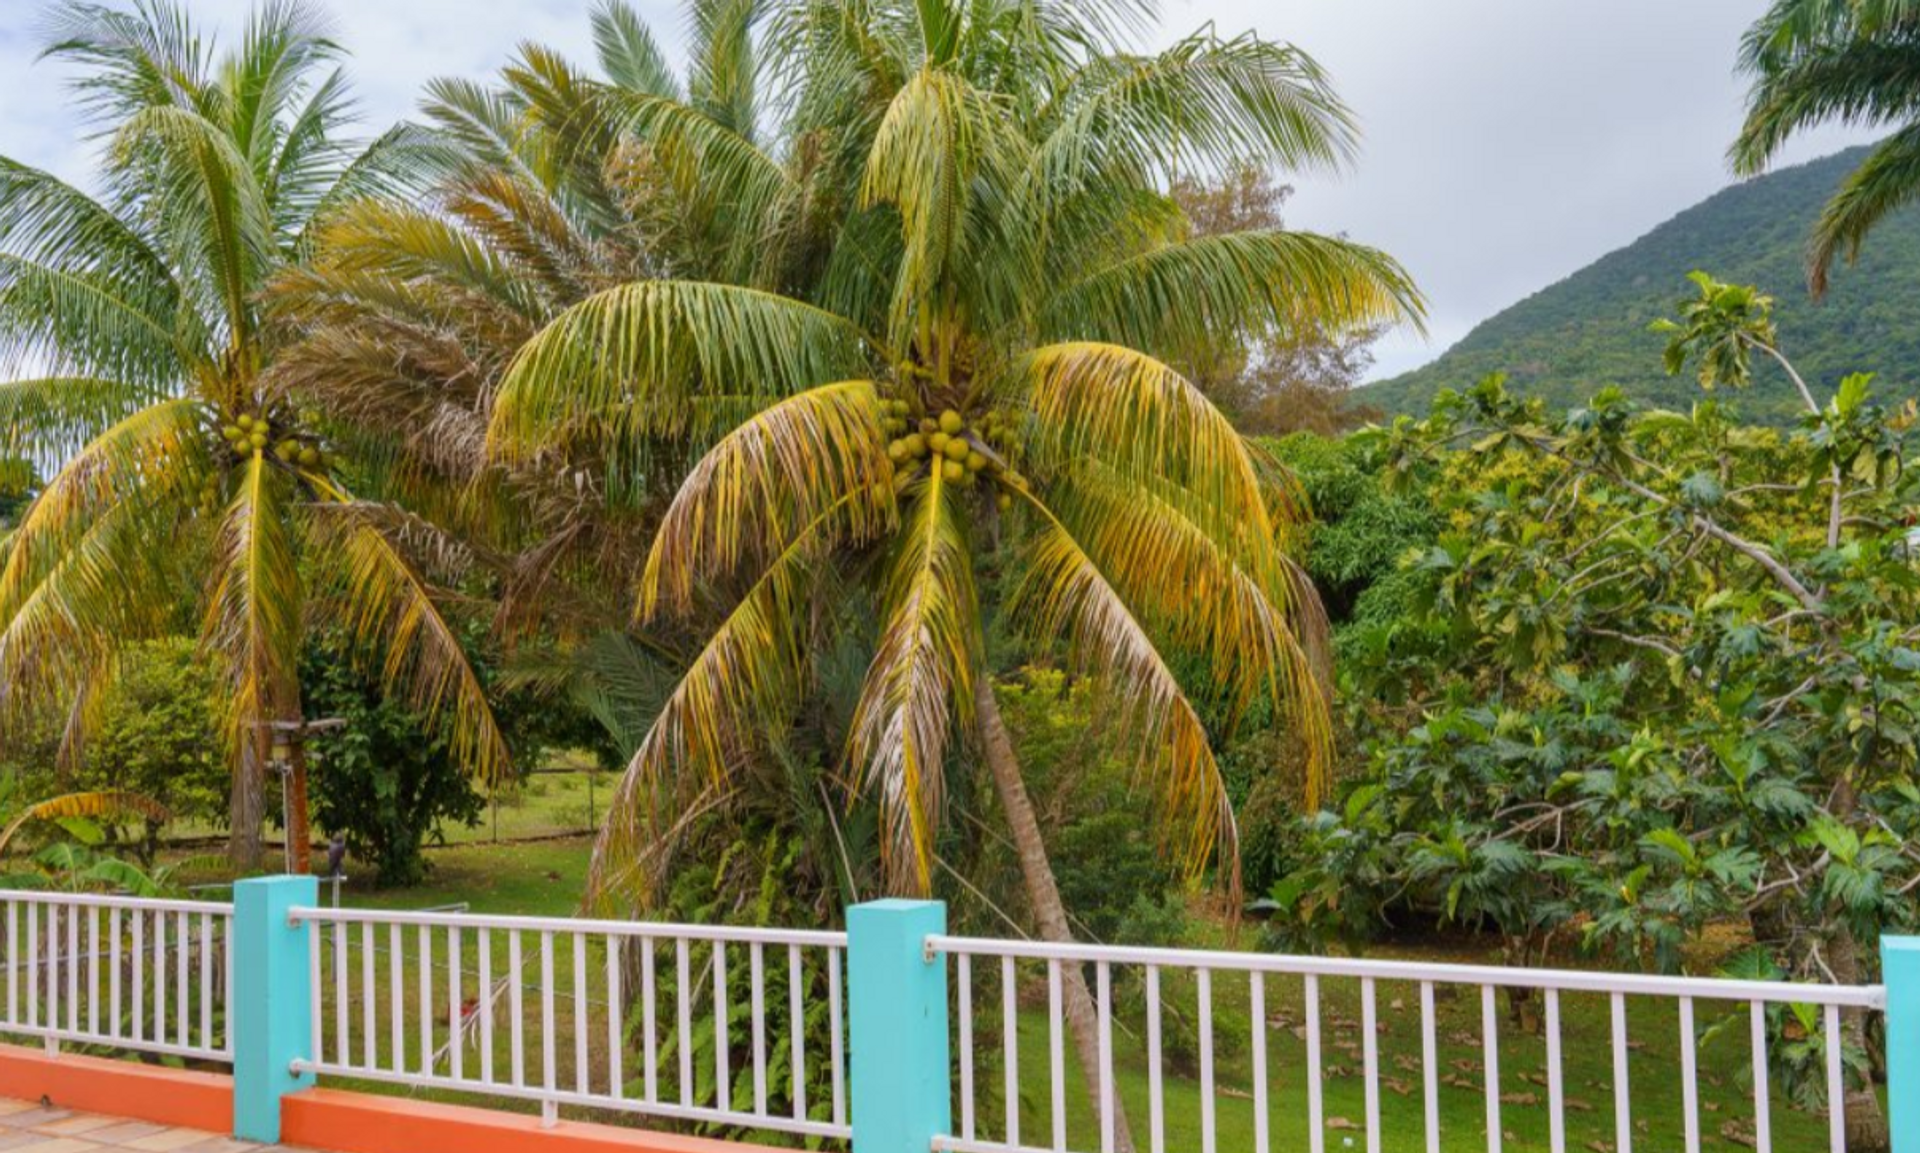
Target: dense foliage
x,y
1588,332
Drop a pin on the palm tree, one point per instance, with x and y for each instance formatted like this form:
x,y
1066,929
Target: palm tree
x,y
935,263
1856,61
132,315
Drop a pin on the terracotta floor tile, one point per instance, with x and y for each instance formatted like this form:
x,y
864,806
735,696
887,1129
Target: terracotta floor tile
x,y
168,1140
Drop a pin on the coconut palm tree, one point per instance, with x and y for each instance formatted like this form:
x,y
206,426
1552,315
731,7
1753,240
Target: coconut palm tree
x,y
1855,61
130,317
925,293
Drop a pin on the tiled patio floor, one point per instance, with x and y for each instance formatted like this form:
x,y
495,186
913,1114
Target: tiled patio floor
x,y
28,1127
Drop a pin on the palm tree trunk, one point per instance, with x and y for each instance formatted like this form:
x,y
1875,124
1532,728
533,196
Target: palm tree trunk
x,y
1043,893
247,803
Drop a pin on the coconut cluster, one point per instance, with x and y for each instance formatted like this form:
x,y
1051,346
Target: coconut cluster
x,y
248,435
947,442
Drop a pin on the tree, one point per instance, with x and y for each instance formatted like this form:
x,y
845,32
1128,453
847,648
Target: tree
x,y
927,331
1814,61
1275,380
181,481
1659,670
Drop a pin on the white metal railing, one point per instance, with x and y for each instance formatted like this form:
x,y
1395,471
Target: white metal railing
x,y
1318,977
118,972
545,1009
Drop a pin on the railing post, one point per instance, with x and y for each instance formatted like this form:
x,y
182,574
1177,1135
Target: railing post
x,y
897,1024
1900,972
271,1002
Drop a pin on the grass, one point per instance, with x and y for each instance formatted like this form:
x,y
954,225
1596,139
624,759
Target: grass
x,y
545,878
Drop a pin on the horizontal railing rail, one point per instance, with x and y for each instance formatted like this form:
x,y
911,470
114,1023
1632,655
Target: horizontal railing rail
x,y
1316,975
540,1008
128,973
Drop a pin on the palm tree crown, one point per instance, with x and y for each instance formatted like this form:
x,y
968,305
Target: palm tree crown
x,y
1856,61
131,316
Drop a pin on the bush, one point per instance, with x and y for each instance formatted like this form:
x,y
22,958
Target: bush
x,y
159,736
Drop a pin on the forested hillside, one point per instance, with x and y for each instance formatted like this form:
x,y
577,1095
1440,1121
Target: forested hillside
x,y
1590,330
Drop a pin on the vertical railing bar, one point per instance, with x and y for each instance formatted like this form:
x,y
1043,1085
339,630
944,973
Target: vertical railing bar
x,y
456,1005
1156,1099
834,1031
649,983
206,977
1689,1077
1316,1131
315,1008
1762,1113
756,993
963,1000
93,978
13,963
343,1048
1103,980
397,997
549,1065
722,1031
33,968
73,976
426,1000
1010,1047
182,971
516,1009
160,978
1370,1061
1430,1066
1056,1058
139,969
1836,1084
483,945
796,1028
1490,1045
1203,983
684,1038
1257,1004
582,1024
616,1014
1622,1087
369,999
51,982
1556,1089
113,969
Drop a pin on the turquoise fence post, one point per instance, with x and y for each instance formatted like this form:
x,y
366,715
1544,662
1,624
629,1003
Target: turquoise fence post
x,y
897,1024
270,1007
1900,972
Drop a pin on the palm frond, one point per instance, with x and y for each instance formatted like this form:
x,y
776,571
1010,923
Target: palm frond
x,y
745,681
753,491
365,584
253,615
1886,180
628,54
1198,296
110,804
51,418
1145,421
1064,595
921,677
639,352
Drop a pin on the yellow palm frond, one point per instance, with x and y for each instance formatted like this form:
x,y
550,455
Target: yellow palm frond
x,y
253,615
745,681
365,584
754,490
151,454
636,354
1064,595
110,804
921,675
1234,599
1147,423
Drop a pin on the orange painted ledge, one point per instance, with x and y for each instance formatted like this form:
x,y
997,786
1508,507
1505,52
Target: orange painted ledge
x,y
331,1119
175,1097
366,1123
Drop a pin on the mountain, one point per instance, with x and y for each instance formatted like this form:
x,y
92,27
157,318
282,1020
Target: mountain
x,y
1590,330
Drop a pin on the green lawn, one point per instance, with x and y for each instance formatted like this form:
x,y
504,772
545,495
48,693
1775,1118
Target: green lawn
x,y
545,878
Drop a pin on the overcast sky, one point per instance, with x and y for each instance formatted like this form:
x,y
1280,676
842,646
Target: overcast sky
x,y
1507,142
